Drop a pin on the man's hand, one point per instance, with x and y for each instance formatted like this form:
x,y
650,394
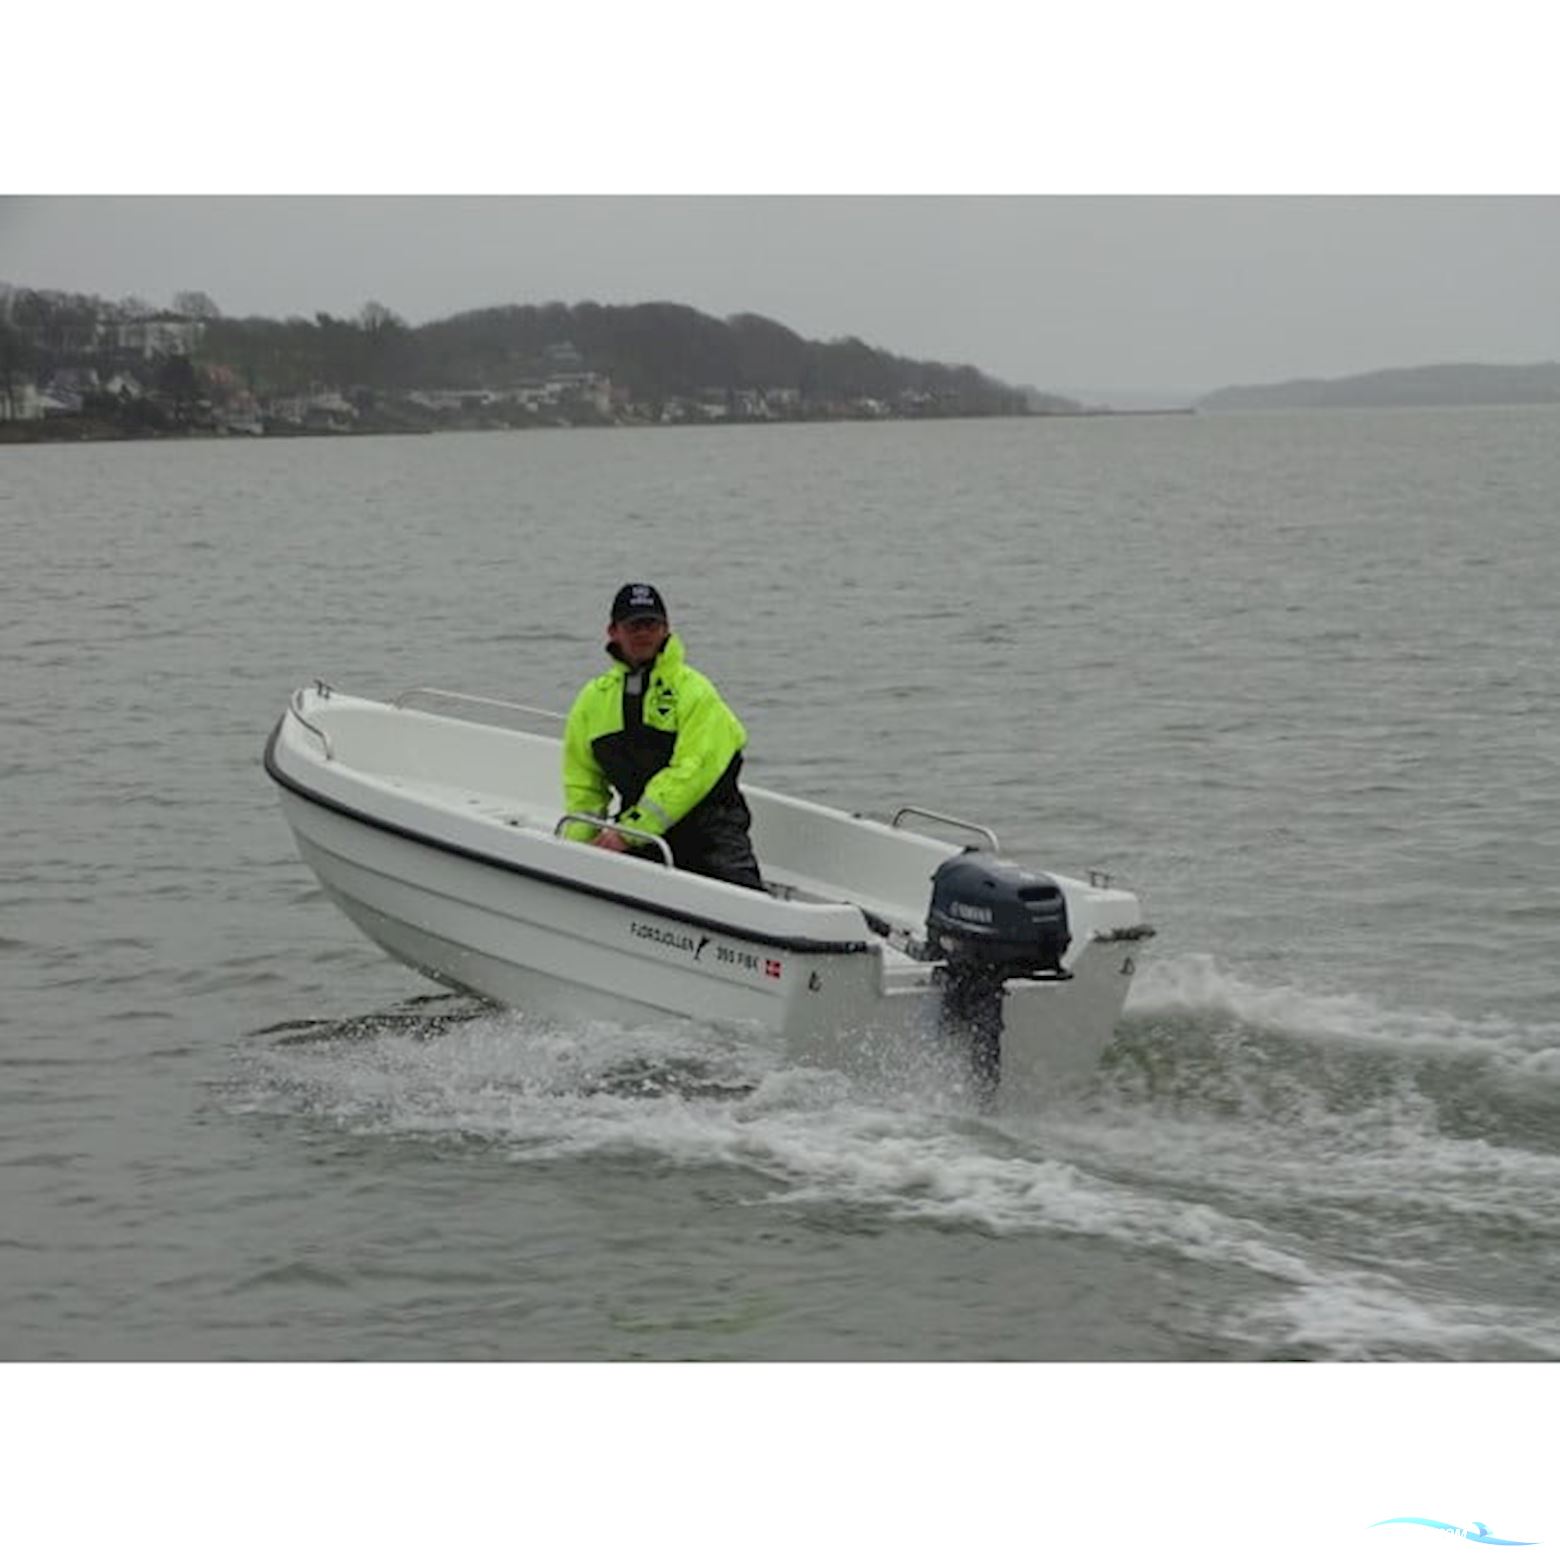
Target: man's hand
x,y
610,839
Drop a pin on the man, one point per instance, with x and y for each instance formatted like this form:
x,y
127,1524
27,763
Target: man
x,y
656,731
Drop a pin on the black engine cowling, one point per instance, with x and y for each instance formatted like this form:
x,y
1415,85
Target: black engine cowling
x,y
997,915
991,921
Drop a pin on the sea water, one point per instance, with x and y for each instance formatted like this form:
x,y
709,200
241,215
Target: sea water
x,y
1289,677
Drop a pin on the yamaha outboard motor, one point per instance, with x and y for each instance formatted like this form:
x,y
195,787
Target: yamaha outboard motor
x,y
991,921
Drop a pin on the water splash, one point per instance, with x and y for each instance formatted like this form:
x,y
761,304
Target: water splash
x,y
1319,1154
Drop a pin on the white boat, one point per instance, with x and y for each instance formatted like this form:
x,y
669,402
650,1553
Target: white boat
x,y
440,836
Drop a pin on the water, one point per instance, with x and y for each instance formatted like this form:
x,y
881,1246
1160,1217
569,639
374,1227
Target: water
x,y
1288,676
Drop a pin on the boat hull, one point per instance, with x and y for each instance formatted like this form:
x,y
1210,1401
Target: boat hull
x,y
549,949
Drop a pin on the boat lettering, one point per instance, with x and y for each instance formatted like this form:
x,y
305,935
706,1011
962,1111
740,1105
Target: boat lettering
x,y
685,942
670,939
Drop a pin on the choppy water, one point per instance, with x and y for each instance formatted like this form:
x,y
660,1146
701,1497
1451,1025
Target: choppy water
x,y
1289,676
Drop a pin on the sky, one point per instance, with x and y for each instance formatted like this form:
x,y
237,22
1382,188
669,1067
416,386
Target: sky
x,y
1126,195
1062,291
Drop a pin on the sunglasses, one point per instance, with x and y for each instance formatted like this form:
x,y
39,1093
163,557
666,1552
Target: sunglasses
x,y
643,622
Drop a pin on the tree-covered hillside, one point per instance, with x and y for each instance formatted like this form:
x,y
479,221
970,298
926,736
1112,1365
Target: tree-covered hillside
x,y
651,352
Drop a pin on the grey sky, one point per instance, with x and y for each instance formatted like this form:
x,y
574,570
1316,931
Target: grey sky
x,y
1059,291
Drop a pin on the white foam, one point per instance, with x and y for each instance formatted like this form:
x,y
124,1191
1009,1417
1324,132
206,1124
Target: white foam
x,y
812,1134
1351,1318
1261,1171
1194,985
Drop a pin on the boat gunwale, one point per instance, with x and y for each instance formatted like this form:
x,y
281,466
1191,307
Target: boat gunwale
x,y
790,943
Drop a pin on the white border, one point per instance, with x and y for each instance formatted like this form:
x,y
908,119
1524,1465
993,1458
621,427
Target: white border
x,y
754,1461
1337,96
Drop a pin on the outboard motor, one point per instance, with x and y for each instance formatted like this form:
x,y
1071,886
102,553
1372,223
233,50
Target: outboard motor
x,y
991,921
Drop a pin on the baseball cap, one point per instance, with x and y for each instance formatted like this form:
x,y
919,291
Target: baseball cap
x,y
638,601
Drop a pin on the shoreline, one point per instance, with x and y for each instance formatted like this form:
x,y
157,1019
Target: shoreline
x,y
89,430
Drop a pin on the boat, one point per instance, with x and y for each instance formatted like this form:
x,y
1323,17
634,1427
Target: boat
x,y
432,821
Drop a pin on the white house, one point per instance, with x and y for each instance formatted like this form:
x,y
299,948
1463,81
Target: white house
x,y
316,408
160,336
452,400
532,394
327,408
584,385
22,403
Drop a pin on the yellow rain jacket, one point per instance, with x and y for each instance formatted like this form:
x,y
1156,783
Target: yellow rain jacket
x,y
663,739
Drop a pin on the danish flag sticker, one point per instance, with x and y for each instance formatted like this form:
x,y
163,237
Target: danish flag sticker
x,y
772,968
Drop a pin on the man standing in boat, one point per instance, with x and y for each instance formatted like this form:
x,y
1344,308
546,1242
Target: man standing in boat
x,y
656,731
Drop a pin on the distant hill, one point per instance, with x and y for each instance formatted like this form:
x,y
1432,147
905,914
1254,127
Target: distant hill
x,y
1436,384
658,350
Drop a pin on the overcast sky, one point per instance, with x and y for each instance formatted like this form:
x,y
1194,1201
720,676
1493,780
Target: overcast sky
x,y
1058,291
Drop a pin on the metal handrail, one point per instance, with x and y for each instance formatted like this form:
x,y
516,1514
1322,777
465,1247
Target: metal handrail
x,y
622,828
399,702
958,823
303,720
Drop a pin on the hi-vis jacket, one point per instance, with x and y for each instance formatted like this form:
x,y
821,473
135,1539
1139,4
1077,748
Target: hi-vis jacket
x,y
661,736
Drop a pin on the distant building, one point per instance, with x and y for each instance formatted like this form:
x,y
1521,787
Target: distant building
x,y
528,394
453,400
60,403
160,335
125,386
564,355
74,381
595,390
328,409
21,403
241,414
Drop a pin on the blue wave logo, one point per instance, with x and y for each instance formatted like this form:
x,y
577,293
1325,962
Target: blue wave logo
x,y
1477,1534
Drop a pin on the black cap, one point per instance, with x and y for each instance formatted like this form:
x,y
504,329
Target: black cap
x,y
638,601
